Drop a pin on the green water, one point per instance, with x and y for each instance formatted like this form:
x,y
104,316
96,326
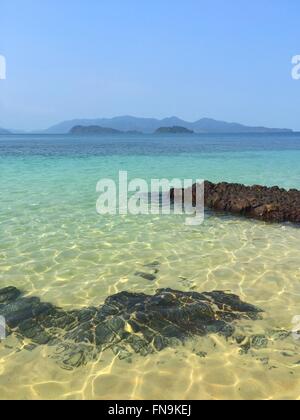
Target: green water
x,y
54,245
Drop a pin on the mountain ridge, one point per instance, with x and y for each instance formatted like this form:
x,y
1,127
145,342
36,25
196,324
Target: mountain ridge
x,y
4,131
150,125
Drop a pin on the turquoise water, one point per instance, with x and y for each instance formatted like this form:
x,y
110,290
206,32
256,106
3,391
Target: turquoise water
x,y
265,159
54,245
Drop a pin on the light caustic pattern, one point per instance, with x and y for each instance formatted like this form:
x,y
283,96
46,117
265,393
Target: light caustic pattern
x,y
54,245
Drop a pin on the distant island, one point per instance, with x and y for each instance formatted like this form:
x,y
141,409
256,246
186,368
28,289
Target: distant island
x,y
3,131
93,129
135,125
174,130
96,129
150,125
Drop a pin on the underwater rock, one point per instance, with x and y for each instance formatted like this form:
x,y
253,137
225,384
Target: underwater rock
x,y
154,264
201,354
262,203
252,343
259,342
146,276
127,323
8,295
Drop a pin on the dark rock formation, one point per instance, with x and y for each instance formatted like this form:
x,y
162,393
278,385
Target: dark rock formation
x,y
173,130
146,276
262,203
127,323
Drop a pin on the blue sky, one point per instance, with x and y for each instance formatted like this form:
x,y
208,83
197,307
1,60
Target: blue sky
x,y
229,60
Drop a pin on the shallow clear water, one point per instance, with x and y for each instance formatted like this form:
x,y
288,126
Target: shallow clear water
x,y
55,246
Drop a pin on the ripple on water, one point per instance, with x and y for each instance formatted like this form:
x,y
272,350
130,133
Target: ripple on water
x,y
84,263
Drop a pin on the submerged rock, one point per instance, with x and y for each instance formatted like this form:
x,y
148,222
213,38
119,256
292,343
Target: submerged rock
x,y
127,323
8,295
146,276
262,203
259,342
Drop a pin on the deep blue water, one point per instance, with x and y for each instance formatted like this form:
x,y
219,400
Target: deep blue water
x,y
66,145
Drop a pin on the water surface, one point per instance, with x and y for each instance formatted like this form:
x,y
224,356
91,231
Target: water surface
x,y
55,246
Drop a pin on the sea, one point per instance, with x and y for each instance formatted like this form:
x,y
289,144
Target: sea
x,y
54,245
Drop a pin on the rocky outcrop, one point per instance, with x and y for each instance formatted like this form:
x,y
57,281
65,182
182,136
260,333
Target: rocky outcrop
x,y
127,323
262,203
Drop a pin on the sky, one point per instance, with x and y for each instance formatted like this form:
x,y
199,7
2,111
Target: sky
x,y
228,60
